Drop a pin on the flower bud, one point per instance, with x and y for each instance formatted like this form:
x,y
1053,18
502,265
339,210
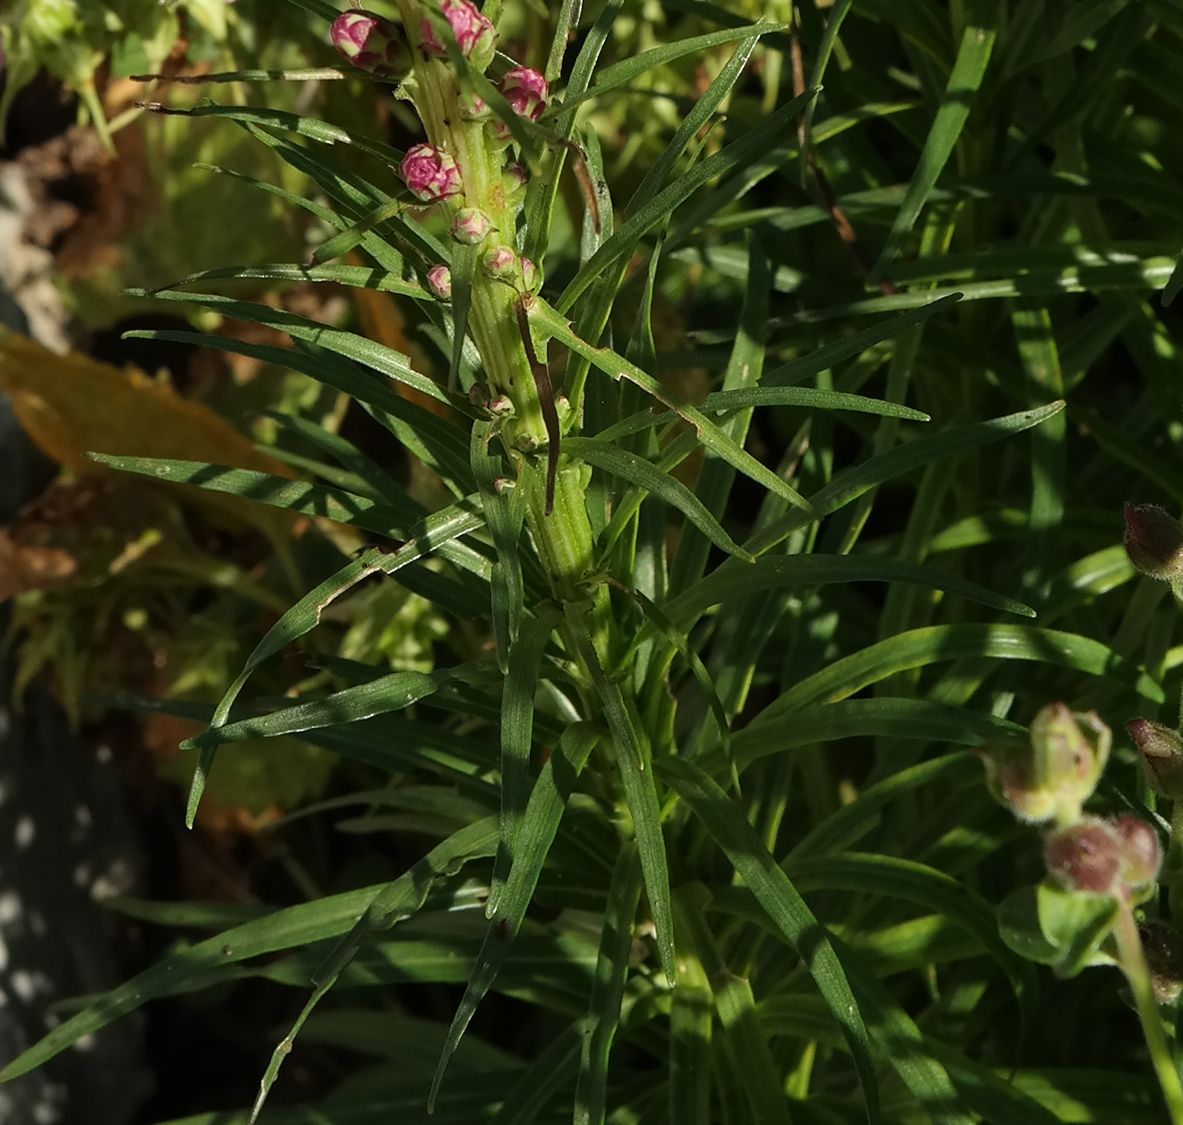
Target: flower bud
x,y
1140,853
475,35
526,90
1086,856
1154,541
470,225
1053,777
370,43
513,184
430,173
472,106
529,275
500,406
1164,957
500,264
439,280
1161,751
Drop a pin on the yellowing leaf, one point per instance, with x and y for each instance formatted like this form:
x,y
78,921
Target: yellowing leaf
x,y
70,405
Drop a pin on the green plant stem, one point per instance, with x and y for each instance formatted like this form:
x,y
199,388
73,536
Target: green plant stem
x,y
1133,964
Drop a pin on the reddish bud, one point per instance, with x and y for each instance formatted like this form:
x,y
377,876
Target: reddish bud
x,y
1161,751
500,264
1154,541
430,173
370,43
439,279
1140,853
470,225
475,35
526,91
1087,856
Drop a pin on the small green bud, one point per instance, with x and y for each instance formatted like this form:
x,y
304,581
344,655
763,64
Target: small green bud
x,y
1161,751
1154,541
1053,777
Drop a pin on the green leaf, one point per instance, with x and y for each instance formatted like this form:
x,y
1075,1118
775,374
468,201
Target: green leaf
x,y
323,132
977,43
711,436
784,906
296,926
430,535
540,823
1058,927
634,760
289,495
517,739
612,964
920,647
852,483
374,355
778,572
380,696
812,398
636,470
504,506
656,210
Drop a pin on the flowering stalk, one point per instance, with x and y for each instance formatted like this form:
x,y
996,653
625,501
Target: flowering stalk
x,y
482,211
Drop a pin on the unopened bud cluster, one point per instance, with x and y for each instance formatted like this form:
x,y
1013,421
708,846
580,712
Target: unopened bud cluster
x,y
1050,779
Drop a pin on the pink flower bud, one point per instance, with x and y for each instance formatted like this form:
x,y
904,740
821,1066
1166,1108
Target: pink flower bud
x,y
1087,856
1153,541
430,173
500,264
475,35
439,279
369,42
1161,751
470,225
526,91
513,184
529,274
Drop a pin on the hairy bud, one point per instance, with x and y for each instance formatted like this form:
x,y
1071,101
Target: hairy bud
x,y
1161,751
1052,777
1154,541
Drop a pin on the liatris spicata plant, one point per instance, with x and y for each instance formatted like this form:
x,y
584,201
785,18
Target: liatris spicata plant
x,y
680,809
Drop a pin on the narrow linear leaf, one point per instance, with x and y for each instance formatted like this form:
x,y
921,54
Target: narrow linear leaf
x,y
540,824
429,535
637,471
294,927
784,906
612,963
634,760
517,739
708,432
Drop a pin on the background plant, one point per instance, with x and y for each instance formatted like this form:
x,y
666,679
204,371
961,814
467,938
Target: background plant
x,y
688,761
